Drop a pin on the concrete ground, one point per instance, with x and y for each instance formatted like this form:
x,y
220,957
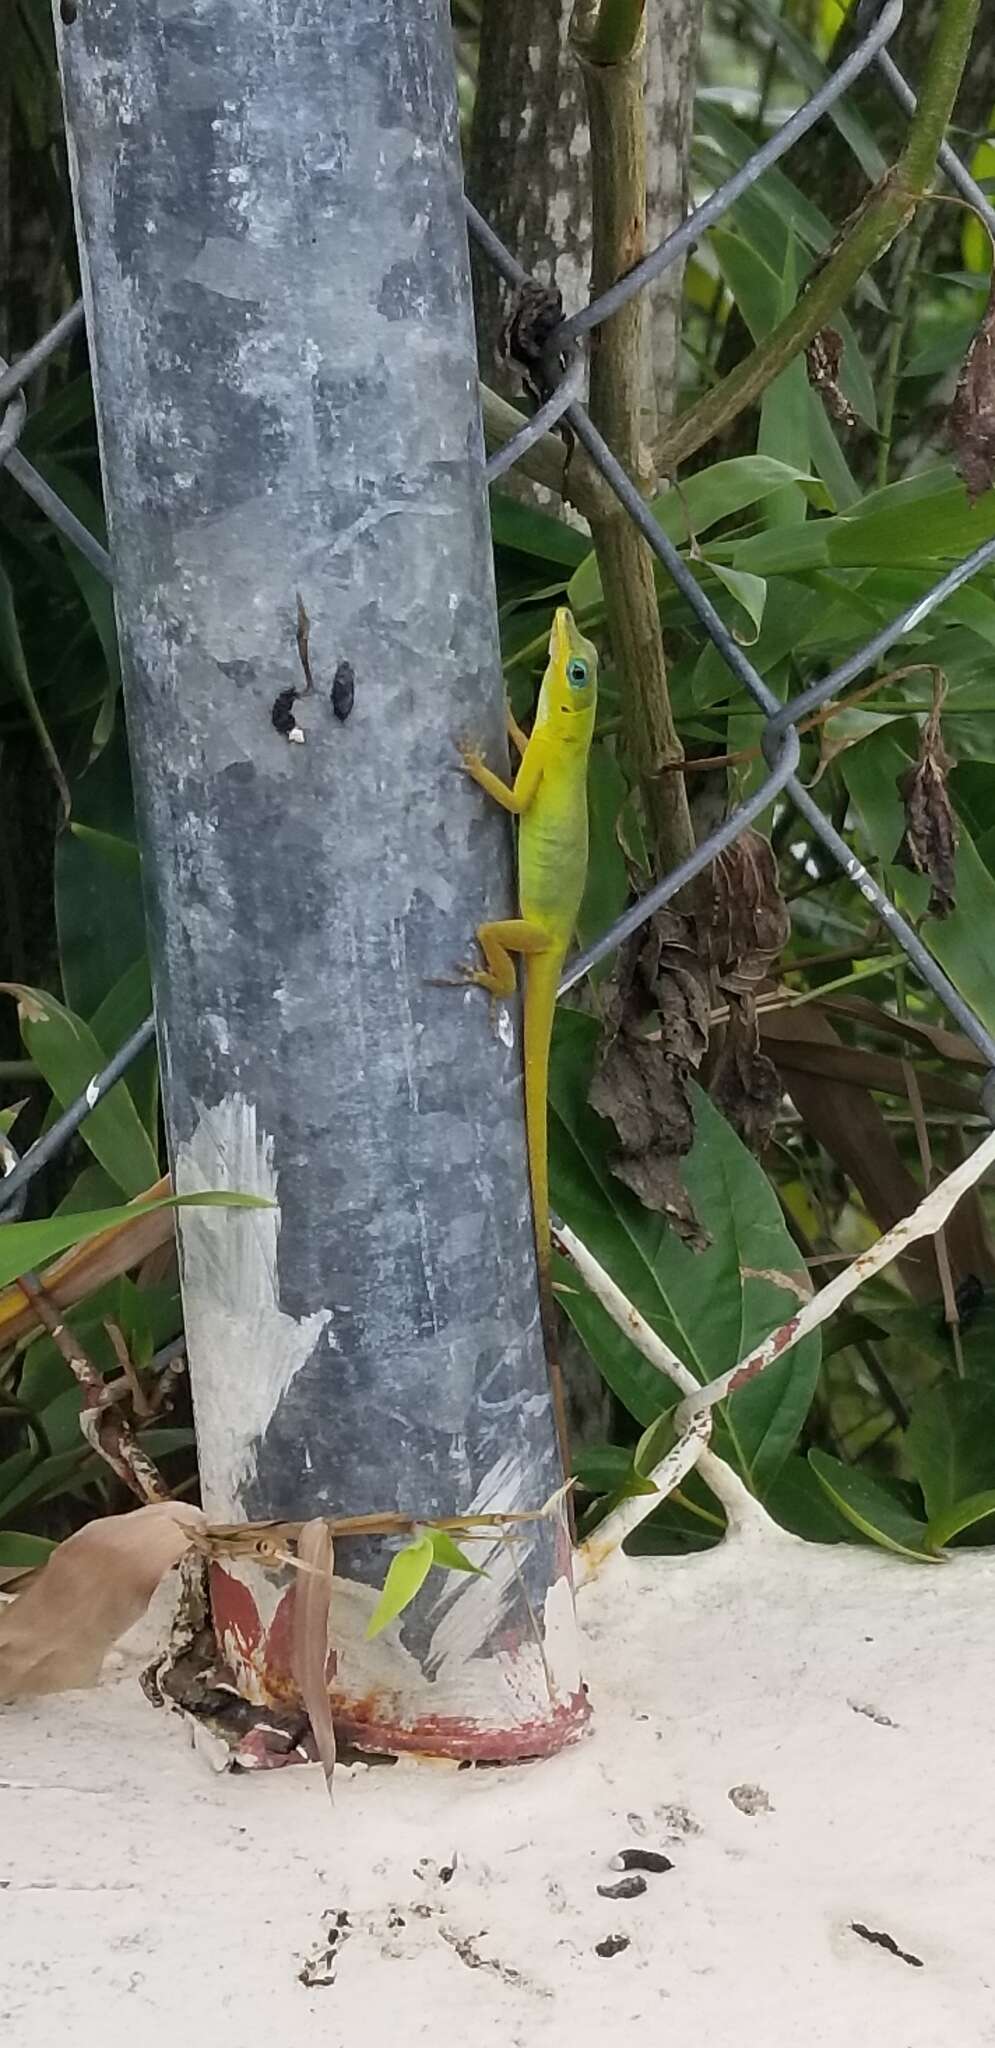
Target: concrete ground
x,y
806,1734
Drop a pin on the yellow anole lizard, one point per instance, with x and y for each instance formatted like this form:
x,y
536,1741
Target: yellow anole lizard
x,y
549,796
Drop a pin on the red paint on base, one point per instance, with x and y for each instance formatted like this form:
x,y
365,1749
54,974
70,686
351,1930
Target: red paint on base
x,y
372,1723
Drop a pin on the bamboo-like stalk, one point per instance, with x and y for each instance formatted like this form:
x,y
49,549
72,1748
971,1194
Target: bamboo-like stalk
x,y
608,44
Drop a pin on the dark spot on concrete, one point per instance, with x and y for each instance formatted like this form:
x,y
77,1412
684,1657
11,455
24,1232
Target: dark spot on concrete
x,y
612,1945
886,1941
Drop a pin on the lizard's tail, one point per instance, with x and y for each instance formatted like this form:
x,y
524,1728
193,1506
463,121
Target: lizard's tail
x,y
543,972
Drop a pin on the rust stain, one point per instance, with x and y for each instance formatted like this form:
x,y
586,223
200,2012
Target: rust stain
x,y
371,1721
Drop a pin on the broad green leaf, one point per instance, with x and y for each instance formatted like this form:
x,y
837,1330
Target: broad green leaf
x,y
901,527
12,1471
809,69
19,1550
750,593
406,1575
47,1478
94,588
69,1056
801,1505
100,915
710,1307
26,1246
531,532
123,1009
872,1508
964,1514
606,889
122,853
92,1189
705,498
14,663
448,1554
785,412
780,195
950,1442
871,771
66,409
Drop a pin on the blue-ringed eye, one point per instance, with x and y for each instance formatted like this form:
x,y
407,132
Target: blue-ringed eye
x,y
577,673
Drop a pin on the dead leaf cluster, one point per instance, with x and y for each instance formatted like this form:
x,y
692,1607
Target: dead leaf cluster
x,y
671,976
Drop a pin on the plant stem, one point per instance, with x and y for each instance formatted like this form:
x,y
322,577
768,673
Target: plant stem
x,y
900,321
616,32
616,123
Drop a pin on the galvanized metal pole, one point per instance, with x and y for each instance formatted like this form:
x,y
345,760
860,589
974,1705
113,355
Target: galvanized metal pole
x,y
270,214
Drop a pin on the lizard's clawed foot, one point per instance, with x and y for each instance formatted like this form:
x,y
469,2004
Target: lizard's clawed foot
x,y
471,755
465,976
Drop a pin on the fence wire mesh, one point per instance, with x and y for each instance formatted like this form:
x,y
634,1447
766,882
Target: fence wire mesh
x,y
780,741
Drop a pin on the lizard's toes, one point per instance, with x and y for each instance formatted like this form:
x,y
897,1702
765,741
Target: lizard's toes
x,y
470,753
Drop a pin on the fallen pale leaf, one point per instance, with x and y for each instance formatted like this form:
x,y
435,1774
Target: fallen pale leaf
x,y
309,1645
55,1635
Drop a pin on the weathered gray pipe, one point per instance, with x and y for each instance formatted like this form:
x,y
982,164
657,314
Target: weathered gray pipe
x,y
270,213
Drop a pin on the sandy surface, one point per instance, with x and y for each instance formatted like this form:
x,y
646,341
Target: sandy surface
x,y
805,1733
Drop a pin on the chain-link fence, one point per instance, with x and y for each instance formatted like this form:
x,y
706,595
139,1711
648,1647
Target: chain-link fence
x,y
780,741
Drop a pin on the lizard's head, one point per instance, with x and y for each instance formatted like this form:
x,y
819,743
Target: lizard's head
x,y
572,676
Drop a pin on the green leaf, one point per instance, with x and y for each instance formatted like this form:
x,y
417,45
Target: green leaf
x,y
606,889
47,1479
69,1056
93,587
750,592
871,772
710,1307
122,853
531,532
950,1442
21,1550
449,1555
26,1246
964,1514
100,915
405,1577
12,660
907,525
705,498
801,1505
872,1508
809,69
119,1015
785,412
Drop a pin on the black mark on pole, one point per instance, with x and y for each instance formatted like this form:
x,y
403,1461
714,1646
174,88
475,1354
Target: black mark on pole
x,y
343,690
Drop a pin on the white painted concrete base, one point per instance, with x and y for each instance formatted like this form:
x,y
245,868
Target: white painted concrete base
x,y
144,1900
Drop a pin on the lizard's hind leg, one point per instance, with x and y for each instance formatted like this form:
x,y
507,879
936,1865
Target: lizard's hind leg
x,y
498,941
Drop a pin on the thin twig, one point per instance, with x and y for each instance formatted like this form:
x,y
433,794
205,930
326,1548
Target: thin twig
x,y
103,1424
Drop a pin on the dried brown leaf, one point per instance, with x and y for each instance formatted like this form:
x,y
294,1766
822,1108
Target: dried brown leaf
x,y
80,1271
658,1021
748,924
535,313
972,414
929,842
309,1643
823,357
95,1586
744,1083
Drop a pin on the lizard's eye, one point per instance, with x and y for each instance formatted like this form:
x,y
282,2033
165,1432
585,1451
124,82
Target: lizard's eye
x,y
577,673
